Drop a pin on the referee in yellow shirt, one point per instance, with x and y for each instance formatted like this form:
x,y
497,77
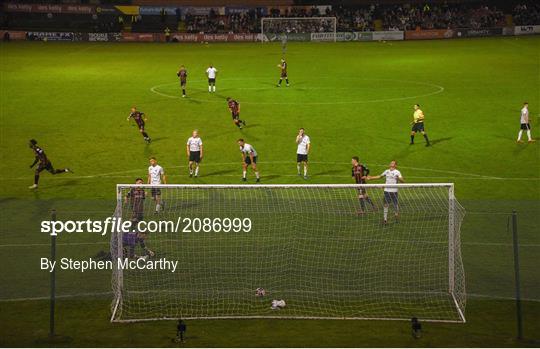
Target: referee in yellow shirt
x,y
418,124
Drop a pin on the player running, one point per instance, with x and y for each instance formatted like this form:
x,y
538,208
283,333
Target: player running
x,y
156,175
283,67
392,176
302,151
525,124
44,164
359,173
211,73
249,157
418,124
140,119
234,107
194,151
182,74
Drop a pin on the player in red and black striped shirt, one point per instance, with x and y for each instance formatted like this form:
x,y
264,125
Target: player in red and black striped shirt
x,y
44,163
182,74
234,107
359,174
140,121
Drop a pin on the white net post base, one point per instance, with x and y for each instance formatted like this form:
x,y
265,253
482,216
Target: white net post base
x,y
308,245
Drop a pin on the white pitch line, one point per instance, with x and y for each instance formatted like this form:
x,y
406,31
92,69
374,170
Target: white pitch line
x,y
439,88
123,174
110,293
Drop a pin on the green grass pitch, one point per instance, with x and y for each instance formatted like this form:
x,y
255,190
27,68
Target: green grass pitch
x,y
352,98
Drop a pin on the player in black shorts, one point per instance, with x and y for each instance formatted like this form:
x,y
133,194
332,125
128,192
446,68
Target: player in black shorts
x,y
234,107
283,74
359,174
135,200
140,121
44,163
182,74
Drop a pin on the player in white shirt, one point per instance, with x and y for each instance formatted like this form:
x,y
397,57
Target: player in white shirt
x,y
211,73
302,151
156,175
392,176
525,125
249,157
194,151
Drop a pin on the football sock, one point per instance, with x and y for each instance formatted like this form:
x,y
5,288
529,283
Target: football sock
x,y
183,92
385,213
412,139
363,204
298,167
287,81
257,174
158,207
141,243
36,179
145,135
426,138
519,135
214,88
368,199
305,170
279,82
529,134
209,88
57,171
243,174
197,170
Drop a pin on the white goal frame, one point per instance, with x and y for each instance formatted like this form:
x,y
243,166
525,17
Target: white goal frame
x,y
278,19
454,208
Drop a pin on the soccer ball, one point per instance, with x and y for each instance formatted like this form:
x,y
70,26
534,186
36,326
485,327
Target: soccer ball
x,y
260,292
278,304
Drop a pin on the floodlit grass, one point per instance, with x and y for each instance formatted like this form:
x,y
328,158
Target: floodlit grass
x,y
352,98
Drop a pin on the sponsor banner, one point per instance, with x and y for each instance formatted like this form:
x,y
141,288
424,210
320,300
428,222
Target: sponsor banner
x,y
290,37
107,10
103,37
429,34
471,33
202,11
185,37
387,35
128,10
342,36
148,37
527,29
156,10
238,9
44,8
13,34
325,36
49,36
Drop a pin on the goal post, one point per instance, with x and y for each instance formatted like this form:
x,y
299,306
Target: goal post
x,y
320,248
297,28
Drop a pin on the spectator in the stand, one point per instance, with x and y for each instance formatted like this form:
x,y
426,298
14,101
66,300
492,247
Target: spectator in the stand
x,y
167,34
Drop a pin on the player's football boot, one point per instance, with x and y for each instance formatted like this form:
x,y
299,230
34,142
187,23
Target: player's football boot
x,y
34,186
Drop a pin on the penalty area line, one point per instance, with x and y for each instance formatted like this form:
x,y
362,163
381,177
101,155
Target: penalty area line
x,y
465,175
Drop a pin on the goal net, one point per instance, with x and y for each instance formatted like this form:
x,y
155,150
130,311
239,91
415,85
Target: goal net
x,y
297,28
313,246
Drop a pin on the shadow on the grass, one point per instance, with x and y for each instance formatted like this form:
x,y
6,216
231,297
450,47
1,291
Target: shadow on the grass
x,y
440,140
